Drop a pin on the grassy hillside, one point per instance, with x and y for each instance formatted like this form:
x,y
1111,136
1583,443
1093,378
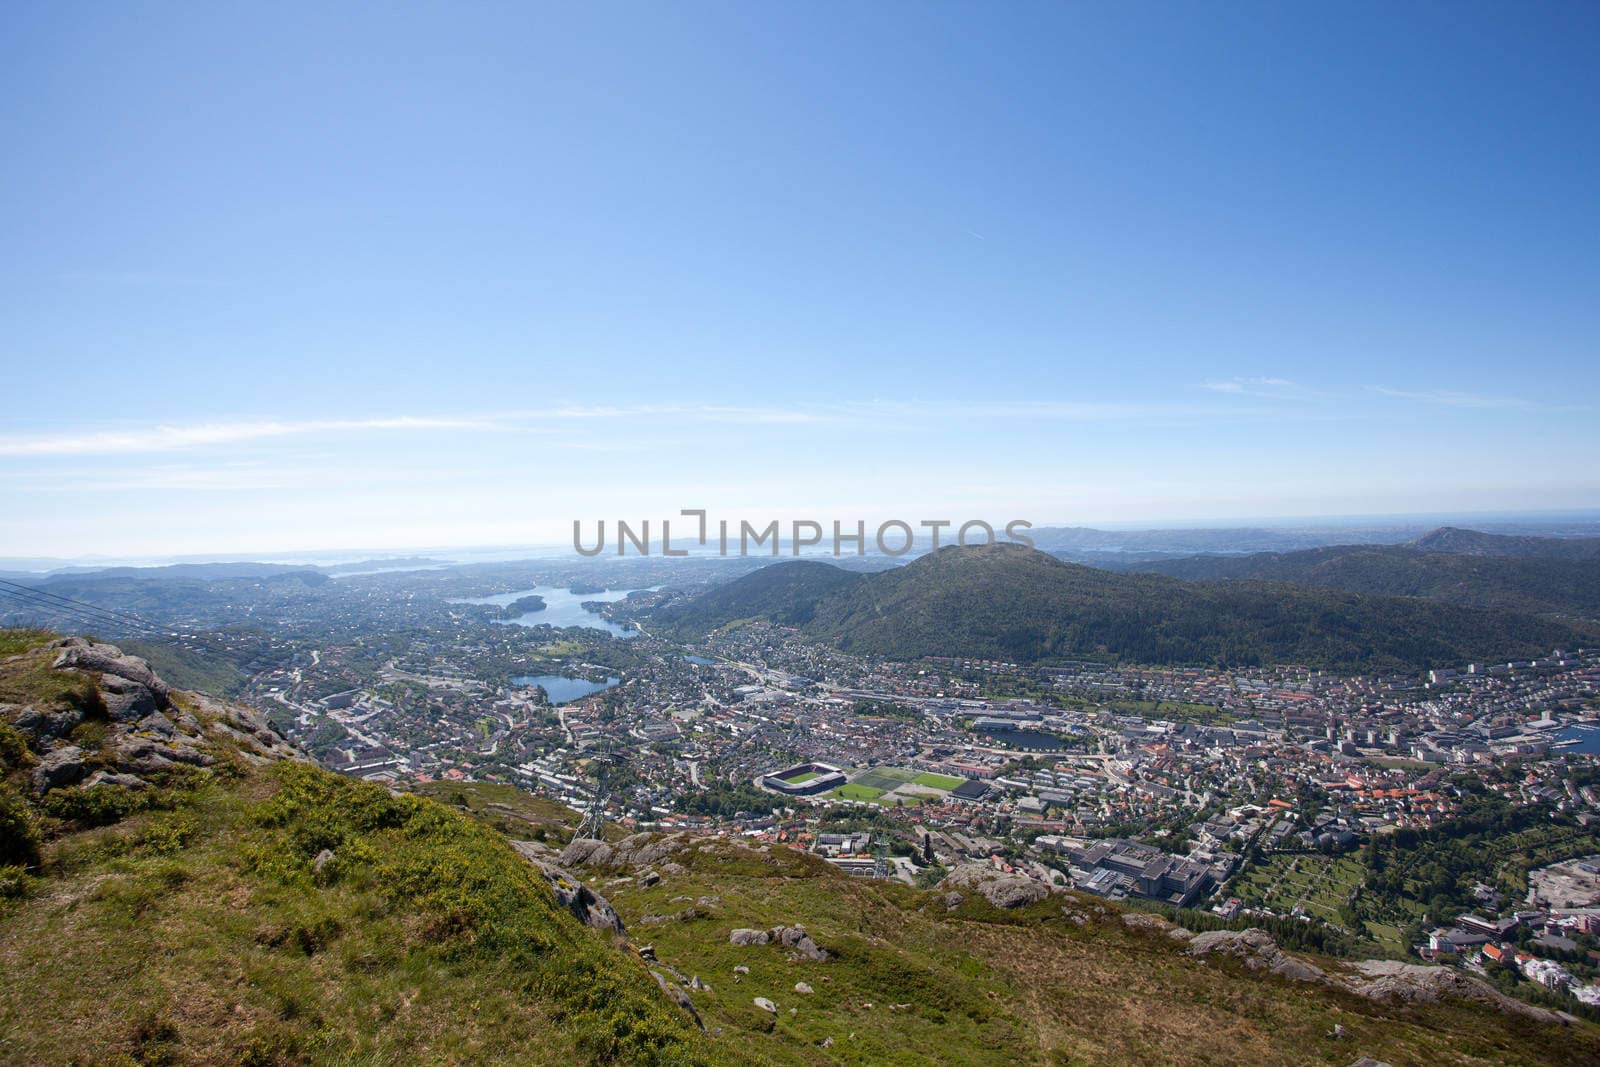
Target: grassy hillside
x,y
189,922
1009,602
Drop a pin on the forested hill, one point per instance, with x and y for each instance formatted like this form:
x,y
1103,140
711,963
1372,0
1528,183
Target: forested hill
x,y
1549,584
1012,603
1477,543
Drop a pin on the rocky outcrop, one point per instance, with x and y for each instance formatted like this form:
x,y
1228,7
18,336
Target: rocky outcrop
x,y
749,937
676,994
997,887
799,943
590,907
586,852
143,731
1392,982
1258,951
121,673
62,766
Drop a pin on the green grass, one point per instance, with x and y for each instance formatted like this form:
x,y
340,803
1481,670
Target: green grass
x,y
803,776
195,928
854,791
15,641
987,987
937,781
884,778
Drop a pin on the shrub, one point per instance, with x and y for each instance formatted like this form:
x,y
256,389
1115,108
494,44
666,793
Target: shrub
x,y
19,830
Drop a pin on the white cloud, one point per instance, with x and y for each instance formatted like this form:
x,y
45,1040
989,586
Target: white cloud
x,y
1259,386
1454,399
170,438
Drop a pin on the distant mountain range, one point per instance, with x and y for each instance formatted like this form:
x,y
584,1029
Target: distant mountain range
x,y
1535,575
1012,603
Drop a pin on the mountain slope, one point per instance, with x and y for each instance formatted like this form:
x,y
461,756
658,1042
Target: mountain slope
x,y
1477,543
257,909
1501,581
783,593
1009,602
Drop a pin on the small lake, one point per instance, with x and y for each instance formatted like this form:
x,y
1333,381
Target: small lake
x,y
562,608
1587,736
701,660
563,690
1028,739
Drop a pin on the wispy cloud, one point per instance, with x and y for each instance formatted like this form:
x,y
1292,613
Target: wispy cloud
x,y
171,438
1454,399
1260,386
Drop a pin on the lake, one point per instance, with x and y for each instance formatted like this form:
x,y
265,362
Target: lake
x,y
701,660
562,608
1587,736
1028,739
562,690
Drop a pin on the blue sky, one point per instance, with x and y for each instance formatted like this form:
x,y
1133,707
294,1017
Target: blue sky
x,y
384,276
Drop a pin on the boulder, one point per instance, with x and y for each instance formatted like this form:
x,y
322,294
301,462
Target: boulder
x,y
60,767
766,1005
676,994
121,781
802,987
799,943
586,851
997,887
952,901
1258,951
79,654
42,725
126,700
744,936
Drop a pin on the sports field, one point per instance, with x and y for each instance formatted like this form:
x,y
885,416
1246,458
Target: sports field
x,y
803,776
856,791
937,781
884,778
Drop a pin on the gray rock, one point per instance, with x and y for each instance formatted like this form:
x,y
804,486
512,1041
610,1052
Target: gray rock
x,y
158,723
744,936
1392,982
324,858
649,879
126,700
143,755
63,766
799,943
586,852
802,987
43,725
952,901
571,893
1258,951
676,994
109,659
121,781
997,887
766,1005
740,968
